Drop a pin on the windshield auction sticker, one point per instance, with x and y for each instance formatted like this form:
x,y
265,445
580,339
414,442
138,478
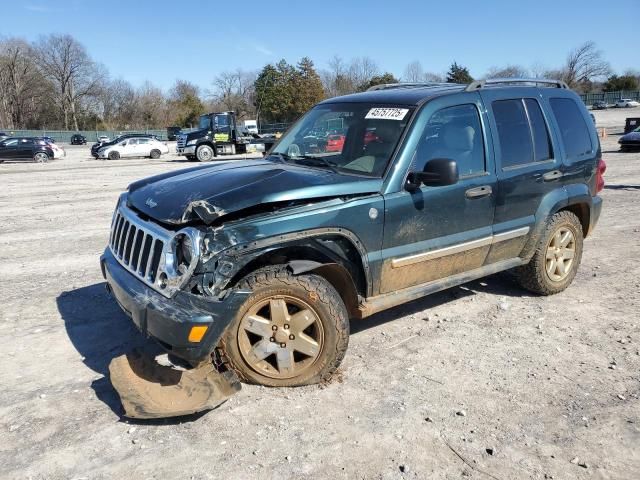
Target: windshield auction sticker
x,y
387,113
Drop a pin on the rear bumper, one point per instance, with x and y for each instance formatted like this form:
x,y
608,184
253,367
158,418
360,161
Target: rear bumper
x,y
169,320
596,209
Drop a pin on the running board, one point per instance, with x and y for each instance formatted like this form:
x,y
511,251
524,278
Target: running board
x,y
388,300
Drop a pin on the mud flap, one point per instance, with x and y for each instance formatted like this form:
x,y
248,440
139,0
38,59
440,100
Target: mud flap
x,y
150,390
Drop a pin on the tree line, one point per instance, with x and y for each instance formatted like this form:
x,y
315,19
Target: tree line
x,y
54,83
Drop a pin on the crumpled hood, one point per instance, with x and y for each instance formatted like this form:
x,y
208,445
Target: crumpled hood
x,y
210,192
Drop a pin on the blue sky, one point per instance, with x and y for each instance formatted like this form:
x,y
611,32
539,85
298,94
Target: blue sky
x,y
161,40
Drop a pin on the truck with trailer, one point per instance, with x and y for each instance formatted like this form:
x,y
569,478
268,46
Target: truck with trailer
x,y
220,134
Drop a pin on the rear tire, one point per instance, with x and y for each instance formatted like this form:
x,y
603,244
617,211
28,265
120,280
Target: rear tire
x,y
205,153
291,331
555,263
114,155
155,154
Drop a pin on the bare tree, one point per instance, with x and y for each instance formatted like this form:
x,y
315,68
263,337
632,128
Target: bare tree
x,y
118,103
584,65
508,71
337,79
434,77
65,62
234,91
21,84
362,70
151,107
413,72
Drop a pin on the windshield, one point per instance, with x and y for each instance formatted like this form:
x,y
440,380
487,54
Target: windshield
x,y
355,138
205,123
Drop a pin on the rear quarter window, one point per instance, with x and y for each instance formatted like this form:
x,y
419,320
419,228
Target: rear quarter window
x,y
573,128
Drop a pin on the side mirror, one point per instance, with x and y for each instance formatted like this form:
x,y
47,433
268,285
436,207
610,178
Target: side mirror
x,y
438,172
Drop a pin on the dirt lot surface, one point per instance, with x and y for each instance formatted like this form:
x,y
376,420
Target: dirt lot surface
x,y
482,381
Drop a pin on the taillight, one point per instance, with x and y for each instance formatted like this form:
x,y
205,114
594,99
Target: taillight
x,y
600,169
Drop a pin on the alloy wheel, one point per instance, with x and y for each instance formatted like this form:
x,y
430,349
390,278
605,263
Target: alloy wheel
x,y
280,337
560,254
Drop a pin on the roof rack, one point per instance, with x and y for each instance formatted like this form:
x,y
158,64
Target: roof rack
x,y
389,86
479,84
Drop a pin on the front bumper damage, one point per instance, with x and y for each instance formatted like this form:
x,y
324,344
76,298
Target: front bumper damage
x,y
149,390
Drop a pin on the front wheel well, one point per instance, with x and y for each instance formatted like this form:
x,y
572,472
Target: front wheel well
x,y
345,275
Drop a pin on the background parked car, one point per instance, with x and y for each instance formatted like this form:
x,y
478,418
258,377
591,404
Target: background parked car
x,y
78,139
3,136
25,148
630,141
600,105
627,103
97,146
103,139
134,147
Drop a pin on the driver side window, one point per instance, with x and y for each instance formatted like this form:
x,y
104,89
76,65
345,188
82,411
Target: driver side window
x,y
454,133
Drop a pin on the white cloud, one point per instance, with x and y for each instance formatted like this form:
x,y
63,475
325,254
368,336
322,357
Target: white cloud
x,y
37,8
262,49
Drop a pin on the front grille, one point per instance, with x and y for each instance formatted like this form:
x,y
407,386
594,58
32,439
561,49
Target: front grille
x,y
182,141
137,245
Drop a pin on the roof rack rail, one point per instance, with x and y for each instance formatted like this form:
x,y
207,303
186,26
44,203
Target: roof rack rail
x,y
479,84
389,86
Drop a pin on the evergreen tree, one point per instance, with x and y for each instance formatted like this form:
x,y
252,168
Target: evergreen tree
x,y
378,80
458,74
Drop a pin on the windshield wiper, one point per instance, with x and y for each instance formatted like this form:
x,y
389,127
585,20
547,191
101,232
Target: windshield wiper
x,y
330,165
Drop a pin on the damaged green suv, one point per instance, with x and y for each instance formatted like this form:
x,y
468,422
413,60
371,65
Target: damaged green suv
x,y
367,202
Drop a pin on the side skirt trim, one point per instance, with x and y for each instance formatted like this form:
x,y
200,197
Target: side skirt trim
x,y
382,302
461,247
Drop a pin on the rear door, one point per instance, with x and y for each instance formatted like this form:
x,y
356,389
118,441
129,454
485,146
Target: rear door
x,y
144,147
24,149
434,232
528,165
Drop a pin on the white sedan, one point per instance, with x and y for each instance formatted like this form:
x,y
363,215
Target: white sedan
x,y
627,103
134,147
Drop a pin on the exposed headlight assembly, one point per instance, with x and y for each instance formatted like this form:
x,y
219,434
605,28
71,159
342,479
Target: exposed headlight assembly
x,y
180,259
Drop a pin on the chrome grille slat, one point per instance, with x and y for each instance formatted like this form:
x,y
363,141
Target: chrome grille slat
x,y
138,245
150,258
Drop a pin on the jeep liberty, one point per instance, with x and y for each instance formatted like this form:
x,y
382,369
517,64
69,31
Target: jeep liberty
x,y
261,264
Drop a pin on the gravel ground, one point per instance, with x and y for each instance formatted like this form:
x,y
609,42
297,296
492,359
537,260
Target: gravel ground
x,y
481,381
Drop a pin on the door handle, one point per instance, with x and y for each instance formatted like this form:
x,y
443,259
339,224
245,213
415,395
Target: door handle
x,y
553,175
478,192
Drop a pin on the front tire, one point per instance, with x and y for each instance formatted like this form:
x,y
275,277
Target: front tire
x,y
555,263
291,331
114,155
41,157
155,154
205,153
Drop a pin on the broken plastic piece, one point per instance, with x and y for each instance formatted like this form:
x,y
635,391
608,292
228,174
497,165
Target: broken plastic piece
x,y
150,390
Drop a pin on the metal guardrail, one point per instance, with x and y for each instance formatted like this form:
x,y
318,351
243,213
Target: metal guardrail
x,y
64,136
609,97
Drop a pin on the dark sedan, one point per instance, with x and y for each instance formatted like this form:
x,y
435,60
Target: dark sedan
x,y
600,105
25,148
78,139
630,141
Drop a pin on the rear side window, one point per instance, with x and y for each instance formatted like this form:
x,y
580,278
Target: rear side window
x,y
513,132
541,142
573,129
